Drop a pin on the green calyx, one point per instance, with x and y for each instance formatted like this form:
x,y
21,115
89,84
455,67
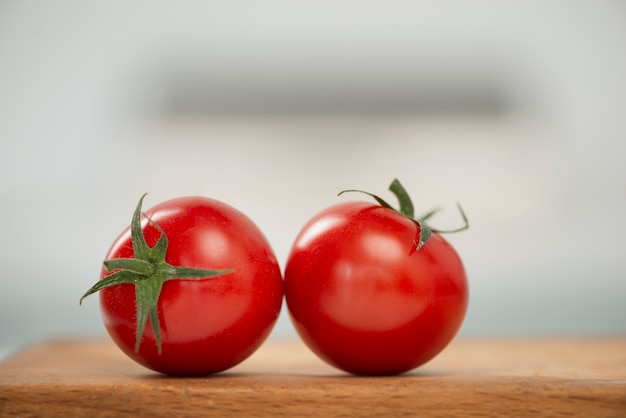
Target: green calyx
x,y
147,272
407,209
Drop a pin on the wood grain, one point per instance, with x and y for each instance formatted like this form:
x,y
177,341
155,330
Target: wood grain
x,y
472,377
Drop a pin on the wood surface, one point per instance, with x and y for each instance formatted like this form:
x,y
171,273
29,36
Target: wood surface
x,y
472,378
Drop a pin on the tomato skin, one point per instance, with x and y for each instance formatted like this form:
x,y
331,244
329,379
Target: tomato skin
x,y
208,325
363,299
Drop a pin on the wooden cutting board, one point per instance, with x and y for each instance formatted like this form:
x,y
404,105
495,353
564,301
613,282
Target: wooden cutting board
x,y
472,377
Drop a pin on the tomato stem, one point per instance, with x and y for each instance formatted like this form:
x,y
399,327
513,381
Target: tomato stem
x,y
459,229
406,205
147,272
406,209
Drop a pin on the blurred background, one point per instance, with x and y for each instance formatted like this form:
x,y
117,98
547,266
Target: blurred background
x,y
515,109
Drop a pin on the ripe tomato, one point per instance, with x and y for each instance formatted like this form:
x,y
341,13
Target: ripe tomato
x,y
367,295
202,275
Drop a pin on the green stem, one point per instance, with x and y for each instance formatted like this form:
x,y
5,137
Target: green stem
x,y
147,272
459,229
406,205
406,209
147,294
134,265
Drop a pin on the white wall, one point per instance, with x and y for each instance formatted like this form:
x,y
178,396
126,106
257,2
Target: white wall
x,y
86,93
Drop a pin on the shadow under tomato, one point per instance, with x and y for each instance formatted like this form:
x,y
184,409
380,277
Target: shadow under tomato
x,y
282,374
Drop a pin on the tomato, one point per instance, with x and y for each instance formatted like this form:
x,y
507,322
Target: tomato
x,y
372,291
204,278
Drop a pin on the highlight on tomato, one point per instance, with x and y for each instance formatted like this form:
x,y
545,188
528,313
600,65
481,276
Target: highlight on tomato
x,y
373,290
191,287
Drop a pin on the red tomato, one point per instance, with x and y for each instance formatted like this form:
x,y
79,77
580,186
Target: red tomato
x,y
362,295
204,325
